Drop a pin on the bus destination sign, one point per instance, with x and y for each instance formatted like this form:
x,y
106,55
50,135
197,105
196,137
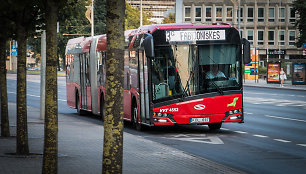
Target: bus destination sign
x,y
197,35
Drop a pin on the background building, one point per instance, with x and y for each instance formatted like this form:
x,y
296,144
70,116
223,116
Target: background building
x,y
157,7
267,24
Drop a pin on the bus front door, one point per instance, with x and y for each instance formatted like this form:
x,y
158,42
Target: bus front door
x,y
144,86
83,81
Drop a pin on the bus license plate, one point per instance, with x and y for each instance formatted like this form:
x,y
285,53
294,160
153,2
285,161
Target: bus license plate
x,y
199,120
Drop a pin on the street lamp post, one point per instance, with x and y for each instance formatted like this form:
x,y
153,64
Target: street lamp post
x,y
92,18
43,75
140,13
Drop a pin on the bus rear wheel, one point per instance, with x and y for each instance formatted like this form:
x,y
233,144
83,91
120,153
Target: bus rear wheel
x,y
214,126
78,105
102,110
135,119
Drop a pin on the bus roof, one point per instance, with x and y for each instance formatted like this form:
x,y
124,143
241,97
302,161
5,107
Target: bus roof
x,y
82,44
152,28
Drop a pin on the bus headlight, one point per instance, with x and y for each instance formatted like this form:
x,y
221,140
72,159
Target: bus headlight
x,y
233,114
158,114
236,111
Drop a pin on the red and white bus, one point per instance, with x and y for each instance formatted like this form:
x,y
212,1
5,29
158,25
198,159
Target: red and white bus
x,y
174,74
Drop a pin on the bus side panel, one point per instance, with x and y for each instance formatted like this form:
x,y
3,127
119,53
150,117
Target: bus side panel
x,y
88,95
127,104
134,83
72,78
70,87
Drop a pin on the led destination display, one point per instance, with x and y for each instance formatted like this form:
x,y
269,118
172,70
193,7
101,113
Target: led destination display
x,y
198,35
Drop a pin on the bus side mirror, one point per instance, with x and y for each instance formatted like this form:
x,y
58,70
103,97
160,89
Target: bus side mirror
x,y
246,51
148,45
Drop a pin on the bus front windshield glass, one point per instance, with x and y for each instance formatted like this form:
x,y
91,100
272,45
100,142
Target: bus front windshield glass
x,y
187,70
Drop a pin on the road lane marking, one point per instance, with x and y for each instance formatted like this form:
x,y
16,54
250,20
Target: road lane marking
x,y
224,129
196,138
33,95
240,132
261,136
63,100
285,118
277,102
304,145
249,113
281,140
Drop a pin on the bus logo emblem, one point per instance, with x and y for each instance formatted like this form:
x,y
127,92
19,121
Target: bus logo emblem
x,y
199,107
234,102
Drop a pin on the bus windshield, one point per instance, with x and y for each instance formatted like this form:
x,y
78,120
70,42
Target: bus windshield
x,y
187,70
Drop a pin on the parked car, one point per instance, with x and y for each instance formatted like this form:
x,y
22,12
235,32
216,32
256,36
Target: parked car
x,y
33,68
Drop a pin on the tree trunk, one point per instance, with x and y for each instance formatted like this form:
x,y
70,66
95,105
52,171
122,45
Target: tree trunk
x,y
5,126
22,127
113,123
51,107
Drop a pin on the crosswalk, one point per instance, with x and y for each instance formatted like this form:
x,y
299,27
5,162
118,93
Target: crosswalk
x,y
275,102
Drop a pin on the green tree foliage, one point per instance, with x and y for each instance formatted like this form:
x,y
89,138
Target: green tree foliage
x,y
100,16
132,17
72,23
113,121
26,16
299,7
170,19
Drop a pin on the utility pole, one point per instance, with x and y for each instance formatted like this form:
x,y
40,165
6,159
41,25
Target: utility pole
x,y
239,16
43,75
92,19
10,55
140,13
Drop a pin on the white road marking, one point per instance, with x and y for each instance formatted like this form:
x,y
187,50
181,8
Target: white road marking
x,y
240,132
224,129
196,138
285,118
261,136
33,95
304,145
275,102
63,100
281,140
207,140
249,113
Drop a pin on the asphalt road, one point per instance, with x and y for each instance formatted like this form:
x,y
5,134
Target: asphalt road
x,y
272,139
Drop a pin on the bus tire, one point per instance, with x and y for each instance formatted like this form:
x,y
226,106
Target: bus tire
x,y
214,126
135,118
78,105
102,105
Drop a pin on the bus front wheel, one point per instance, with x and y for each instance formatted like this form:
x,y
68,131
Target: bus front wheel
x,y
214,126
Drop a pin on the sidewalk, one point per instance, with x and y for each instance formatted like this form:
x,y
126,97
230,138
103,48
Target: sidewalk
x,y
263,84
80,144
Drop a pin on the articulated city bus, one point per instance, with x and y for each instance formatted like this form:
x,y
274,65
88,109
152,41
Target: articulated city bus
x,y
174,74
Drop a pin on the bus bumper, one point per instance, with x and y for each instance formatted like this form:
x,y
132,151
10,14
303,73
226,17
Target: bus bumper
x,y
198,119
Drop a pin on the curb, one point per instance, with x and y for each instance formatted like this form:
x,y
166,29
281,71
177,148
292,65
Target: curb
x,y
272,87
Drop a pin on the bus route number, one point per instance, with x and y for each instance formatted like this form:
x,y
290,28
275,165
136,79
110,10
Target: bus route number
x,y
170,110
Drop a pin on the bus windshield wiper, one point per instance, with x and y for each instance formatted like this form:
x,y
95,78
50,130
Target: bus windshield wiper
x,y
186,89
217,87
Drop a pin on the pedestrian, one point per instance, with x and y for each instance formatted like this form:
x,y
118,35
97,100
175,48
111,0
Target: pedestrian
x,y
282,77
